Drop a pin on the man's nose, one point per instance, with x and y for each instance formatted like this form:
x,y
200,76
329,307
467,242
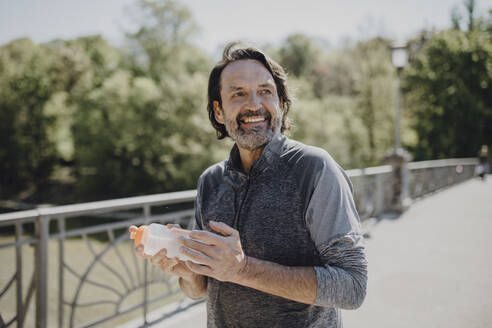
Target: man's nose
x,y
254,102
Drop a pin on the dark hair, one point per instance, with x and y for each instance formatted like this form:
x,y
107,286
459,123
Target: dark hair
x,y
231,54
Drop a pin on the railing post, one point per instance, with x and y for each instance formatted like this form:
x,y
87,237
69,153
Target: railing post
x,y
146,291
41,261
61,261
398,159
146,211
379,195
18,278
147,214
405,182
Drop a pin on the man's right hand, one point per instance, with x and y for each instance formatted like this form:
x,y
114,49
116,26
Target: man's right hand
x,y
168,265
192,284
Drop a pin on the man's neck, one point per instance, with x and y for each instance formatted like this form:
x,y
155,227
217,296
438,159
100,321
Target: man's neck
x,y
249,156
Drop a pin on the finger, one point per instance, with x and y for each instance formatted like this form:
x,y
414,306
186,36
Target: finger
x,y
222,228
196,256
167,267
181,270
198,268
206,249
156,259
181,231
132,228
139,251
160,257
161,253
177,228
207,237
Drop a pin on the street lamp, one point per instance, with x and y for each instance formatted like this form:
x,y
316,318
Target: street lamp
x,y
400,59
398,157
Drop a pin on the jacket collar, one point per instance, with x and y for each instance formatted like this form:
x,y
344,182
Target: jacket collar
x,y
234,173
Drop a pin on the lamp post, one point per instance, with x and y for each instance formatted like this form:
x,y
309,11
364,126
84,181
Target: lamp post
x,y
398,157
400,59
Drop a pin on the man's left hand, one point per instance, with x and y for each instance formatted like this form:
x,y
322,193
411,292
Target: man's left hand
x,y
221,257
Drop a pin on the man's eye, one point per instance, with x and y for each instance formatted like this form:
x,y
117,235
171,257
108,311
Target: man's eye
x,y
238,94
266,92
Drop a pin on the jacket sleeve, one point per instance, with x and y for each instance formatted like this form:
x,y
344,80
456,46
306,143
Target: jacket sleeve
x,y
334,225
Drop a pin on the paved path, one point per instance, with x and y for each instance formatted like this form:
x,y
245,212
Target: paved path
x,y
431,267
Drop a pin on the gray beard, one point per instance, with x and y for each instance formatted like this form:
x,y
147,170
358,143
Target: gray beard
x,y
252,138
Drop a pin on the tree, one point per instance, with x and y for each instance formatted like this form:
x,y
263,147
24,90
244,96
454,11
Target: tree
x,y
375,91
161,43
27,153
298,54
145,129
347,102
449,92
470,9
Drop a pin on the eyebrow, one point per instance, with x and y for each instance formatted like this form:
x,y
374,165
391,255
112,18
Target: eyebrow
x,y
266,84
262,85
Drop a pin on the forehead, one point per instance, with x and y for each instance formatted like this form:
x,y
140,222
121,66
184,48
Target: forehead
x,y
245,72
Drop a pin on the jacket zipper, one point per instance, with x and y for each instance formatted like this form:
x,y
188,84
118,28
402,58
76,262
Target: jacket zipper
x,y
236,217
234,225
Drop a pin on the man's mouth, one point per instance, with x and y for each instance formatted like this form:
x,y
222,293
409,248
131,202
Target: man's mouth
x,y
253,119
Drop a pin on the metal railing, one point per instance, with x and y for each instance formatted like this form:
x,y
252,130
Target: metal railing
x,y
373,186
98,279
97,276
429,176
372,190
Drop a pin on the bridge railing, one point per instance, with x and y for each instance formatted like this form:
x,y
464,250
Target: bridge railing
x,y
373,186
429,176
74,266
77,263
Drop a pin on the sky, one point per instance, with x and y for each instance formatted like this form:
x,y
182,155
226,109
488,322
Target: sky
x,y
220,21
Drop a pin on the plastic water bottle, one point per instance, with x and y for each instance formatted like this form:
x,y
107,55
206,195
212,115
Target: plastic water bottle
x,y
155,237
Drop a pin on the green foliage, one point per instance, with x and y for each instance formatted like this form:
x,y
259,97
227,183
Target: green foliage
x,y
27,153
375,89
298,54
329,124
134,136
449,92
127,122
161,45
145,129
346,103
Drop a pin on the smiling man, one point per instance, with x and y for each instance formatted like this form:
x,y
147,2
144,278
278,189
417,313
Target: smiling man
x,y
278,236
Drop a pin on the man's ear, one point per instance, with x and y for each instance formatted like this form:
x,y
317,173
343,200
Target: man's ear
x,y
218,112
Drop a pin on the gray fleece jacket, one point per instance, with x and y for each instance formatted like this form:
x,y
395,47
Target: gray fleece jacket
x,y
295,208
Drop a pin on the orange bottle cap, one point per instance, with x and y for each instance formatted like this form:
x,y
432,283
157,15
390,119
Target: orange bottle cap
x,y
137,235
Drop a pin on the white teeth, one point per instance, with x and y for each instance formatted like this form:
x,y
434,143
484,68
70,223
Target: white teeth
x,y
252,120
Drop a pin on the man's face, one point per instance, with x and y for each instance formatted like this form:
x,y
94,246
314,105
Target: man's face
x,y
251,110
